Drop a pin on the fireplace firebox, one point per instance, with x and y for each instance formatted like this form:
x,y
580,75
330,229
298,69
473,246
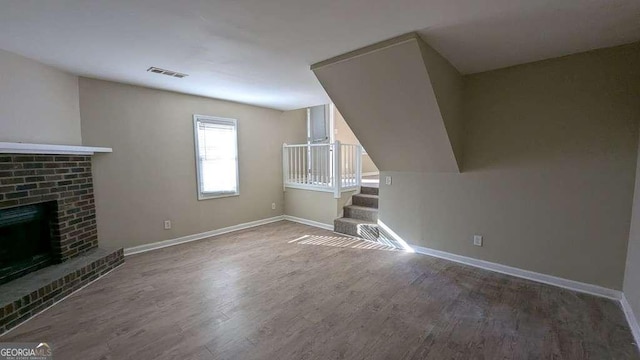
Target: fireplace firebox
x,y
25,239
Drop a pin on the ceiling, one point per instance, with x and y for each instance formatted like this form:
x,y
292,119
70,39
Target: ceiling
x,y
259,51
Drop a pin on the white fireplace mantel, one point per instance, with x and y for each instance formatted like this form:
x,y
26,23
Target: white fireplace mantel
x,y
24,148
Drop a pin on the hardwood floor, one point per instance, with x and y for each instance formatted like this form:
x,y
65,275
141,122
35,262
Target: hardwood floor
x,y
254,294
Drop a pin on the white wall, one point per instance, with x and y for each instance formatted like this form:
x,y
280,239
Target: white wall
x,y
38,104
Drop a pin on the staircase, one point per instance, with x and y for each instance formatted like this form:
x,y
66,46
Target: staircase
x,y
361,218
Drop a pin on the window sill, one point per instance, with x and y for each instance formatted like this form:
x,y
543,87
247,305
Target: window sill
x,y
216,196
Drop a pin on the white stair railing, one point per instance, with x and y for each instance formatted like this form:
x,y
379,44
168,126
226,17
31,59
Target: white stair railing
x,y
322,167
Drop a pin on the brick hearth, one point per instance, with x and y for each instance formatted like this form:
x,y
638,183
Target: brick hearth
x,y
67,181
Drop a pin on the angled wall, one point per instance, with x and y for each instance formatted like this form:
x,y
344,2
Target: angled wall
x,y
385,93
447,86
549,165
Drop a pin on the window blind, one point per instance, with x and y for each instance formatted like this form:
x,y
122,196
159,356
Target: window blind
x,y
217,156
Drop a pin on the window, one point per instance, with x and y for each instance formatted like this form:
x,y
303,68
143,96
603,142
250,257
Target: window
x,y
216,142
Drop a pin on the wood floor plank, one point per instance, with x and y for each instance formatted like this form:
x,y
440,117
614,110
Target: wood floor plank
x,y
254,294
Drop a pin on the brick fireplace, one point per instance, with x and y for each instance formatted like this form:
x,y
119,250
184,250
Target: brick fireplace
x,y
64,183
67,180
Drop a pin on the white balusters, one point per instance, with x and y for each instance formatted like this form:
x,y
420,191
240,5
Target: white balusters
x,y
324,167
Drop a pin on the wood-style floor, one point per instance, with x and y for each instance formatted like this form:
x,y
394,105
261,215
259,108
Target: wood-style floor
x,y
254,295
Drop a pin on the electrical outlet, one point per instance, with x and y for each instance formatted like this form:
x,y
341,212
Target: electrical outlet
x,y
167,224
477,240
273,206
387,180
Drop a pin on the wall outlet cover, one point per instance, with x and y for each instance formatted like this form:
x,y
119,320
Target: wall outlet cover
x,y
167,224
477,240
387,180
273,206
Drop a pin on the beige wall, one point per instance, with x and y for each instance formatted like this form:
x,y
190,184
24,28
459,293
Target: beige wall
x,y
295,126
38,104
344,200
549,164
632,272
344,134
398,107
310,205
367,165
150,176
447,86
317,206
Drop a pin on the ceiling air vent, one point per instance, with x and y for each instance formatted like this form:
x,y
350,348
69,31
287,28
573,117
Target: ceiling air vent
x,y
166,72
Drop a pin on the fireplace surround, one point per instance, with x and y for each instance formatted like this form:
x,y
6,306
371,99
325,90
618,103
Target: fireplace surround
x,y
47,204
65,180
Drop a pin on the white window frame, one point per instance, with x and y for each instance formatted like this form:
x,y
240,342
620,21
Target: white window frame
x,y
214,120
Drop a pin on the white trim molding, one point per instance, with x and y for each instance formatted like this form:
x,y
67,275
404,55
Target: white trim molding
x,y
308,187
199,122
308,222
207,234
631,319
525,274
25,148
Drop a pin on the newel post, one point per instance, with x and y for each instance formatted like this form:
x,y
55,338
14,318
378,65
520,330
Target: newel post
x,y
285,166
337,169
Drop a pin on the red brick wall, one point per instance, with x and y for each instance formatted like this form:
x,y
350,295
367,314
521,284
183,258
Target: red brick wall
x,y
28,179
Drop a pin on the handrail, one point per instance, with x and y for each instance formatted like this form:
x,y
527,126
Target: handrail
x,y
306,145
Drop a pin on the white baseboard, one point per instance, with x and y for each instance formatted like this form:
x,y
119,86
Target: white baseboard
x,y
373,173
525,274
200,236
631,319
308,222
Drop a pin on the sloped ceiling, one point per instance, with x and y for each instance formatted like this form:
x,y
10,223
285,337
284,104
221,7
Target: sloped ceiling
x,y
401,99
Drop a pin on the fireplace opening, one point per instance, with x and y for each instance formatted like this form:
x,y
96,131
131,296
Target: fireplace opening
x,y
25,240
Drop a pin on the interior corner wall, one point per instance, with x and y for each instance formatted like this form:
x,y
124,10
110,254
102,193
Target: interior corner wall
x,y
550,154
631,287
151,174
38,103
